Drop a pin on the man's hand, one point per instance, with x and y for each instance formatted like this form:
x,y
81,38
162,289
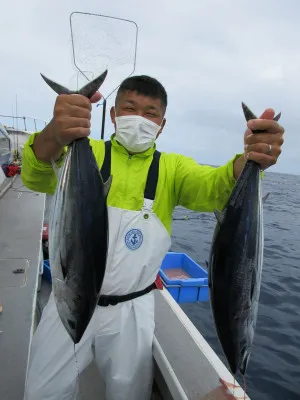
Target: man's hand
x,y
264,148
71,120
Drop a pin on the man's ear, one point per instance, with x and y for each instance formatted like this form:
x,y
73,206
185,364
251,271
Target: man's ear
x,y
113,115
162,127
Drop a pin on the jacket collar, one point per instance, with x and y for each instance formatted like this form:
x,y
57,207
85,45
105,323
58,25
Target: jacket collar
x,y
120,149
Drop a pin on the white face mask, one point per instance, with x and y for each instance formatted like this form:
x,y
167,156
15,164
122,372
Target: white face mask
x,y
136,133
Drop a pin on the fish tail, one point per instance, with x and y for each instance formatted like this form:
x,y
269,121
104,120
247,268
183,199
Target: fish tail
x,y
249,114
277,117
91,87
87,90
265,198
59,89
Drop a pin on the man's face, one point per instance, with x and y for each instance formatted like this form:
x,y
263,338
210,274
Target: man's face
x,y
132,103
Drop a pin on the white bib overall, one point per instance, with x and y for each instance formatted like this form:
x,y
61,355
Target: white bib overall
x,y
119,337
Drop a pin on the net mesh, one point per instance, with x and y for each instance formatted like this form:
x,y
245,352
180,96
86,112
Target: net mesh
x,y
100,42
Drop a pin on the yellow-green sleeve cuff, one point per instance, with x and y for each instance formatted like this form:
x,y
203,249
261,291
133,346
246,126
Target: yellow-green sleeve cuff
x,y
34,161
230,166
230,169
38,175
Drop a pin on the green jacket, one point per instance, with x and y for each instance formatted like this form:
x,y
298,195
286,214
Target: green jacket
x,y
182,181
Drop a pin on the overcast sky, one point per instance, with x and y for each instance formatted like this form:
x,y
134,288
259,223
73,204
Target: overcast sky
x,y
209,55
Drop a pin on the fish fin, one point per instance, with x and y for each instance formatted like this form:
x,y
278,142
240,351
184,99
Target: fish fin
x,y
63,267
87,90
219,215
107,185
253,287
55,168
265,198
244,362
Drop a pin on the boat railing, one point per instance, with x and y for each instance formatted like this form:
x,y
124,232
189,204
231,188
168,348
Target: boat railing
x,y
30,124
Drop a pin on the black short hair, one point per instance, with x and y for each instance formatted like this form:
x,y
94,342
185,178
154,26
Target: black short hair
x,y
145,85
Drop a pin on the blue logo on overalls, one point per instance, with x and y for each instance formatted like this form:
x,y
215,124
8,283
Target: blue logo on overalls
x,y
134,239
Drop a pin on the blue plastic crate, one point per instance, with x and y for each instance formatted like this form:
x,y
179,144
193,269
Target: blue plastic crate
x,y
47,271
187,290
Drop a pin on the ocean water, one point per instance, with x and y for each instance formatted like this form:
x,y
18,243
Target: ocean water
x,y
274,368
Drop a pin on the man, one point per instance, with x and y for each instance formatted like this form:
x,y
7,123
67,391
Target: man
x,y
146,187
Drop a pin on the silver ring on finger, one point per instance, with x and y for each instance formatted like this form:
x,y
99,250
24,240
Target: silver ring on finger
x,y
270,149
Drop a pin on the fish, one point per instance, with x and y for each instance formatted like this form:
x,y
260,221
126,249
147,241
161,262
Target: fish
x,y
78,229
265,197
235,264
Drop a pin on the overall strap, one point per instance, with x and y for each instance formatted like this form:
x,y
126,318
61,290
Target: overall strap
x,y
105,169
152,178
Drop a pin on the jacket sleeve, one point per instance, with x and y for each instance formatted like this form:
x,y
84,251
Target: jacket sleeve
x,y
203,188
38,175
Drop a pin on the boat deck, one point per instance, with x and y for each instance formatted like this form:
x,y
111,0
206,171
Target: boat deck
x,y
21,220
185,365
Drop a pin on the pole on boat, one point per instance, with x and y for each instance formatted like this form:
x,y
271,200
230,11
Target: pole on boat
x,y
104,102
103,118
24,119
17,150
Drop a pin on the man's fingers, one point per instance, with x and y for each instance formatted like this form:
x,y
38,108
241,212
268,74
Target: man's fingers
x,y
264,160
270,138
74,99
269,113
96,97
77,132
80,112
264,148
265,124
